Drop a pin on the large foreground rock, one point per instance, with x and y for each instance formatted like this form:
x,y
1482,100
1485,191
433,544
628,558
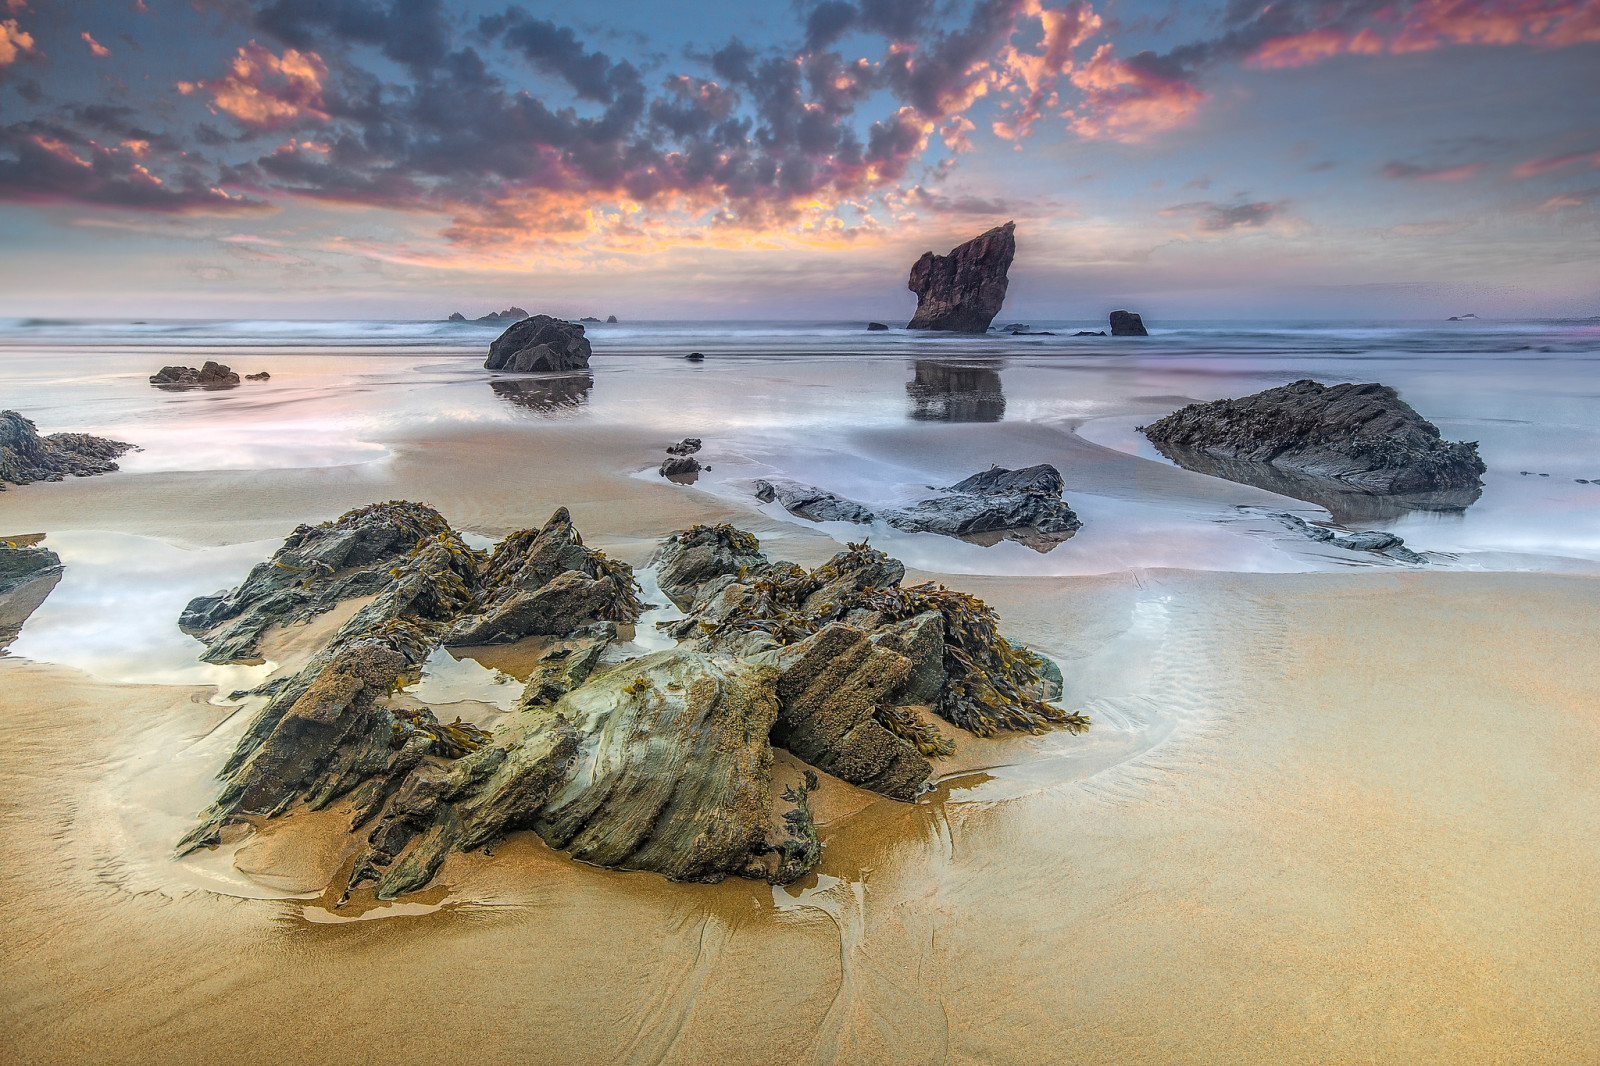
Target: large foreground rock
x,y
1345,439
1024,505
26,457
539,343
964,290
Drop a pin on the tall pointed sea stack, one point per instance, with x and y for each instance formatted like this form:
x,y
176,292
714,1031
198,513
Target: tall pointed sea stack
x,y
964,290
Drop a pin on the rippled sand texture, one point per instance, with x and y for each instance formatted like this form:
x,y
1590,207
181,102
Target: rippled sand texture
x,y
1368,835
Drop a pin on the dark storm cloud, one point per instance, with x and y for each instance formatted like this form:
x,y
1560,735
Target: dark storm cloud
x,y
413,32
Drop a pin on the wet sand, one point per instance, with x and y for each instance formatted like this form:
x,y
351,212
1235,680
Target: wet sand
x,y
1370,840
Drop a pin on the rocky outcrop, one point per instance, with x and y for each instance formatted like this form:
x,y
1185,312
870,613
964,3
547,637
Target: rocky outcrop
x,y
964,290
942,391
1334,440
212,375
1127,324
510,314
28,574
877,327
1371,540
537,344
662,763
259,376
682,469
26,457
611,320
1023,505
456,316
22,564
686,446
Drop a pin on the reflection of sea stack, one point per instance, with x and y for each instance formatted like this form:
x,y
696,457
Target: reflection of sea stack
x,y
955,392
964,290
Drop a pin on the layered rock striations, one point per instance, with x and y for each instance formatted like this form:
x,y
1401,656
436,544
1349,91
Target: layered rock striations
x,y
661,763
540,343
26,457
1312,441
1024,505
964,290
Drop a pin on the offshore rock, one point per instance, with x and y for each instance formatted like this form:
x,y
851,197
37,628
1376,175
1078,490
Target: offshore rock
x,y
537,344
510,314
456,316
212,375
1343,439
26,457
692,557
964,290
877,327
1126,324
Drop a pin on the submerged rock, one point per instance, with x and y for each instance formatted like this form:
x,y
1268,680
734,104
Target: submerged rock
x,y
1090,333
212,375
1023,505
1371,540
26,457
539,343
1127,324
1344,439
964,290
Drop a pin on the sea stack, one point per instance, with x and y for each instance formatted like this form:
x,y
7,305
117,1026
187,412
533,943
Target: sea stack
x,y
963,291
1127,324
539,343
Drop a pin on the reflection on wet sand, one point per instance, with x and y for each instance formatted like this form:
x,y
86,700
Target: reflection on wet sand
x,y
1349,506
548,393
946,391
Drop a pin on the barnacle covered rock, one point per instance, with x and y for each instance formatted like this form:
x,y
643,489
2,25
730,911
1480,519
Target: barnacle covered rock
x,y
688,559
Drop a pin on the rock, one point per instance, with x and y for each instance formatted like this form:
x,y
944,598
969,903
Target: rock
x,y
920,639
566,664
832,685
1031,333
1022,505
1090,333
28,574
1313,441
26,457
682,469
456,316
964,290
212,375
876,327
548,394
510,314
539,343
20,565
686,446
1015,327
1368,541
690,558
942,391
611,320
696,357
262,376
567,602
589,318
1127,324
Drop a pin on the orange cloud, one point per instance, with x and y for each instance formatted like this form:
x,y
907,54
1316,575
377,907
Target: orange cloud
x,y
266,91
1534,167
99,50
14,40
1127,101
957,134
1432,24
1064,30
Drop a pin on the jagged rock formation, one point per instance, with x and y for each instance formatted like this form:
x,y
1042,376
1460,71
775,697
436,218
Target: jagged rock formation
x,y
510,314
26,457
1127,324
457,316
686,446
1022,505
1312,441
539,343
212,375
611,320
661,763
964,290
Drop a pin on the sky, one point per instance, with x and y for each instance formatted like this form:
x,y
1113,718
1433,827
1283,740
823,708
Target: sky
x,y
665,159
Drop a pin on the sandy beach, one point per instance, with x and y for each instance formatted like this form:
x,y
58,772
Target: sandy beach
x,y
1327,811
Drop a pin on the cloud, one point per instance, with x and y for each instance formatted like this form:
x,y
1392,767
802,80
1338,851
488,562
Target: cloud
x,y
98,50
1570,199
1213,217
1415,172
1132,99
940,204
14,40
267,92
1534,167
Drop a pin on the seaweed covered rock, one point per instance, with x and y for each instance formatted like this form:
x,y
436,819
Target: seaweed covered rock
x,y
691,557
26,457
998,504
964,290
1299,438
212,375
539,343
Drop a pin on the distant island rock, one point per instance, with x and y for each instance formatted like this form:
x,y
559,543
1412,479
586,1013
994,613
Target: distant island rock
x,y
26,457
1127,324
1461,318
261,376
589,318
611,320
1318,442
510,314
211,376
999,504
963,291
539,343
876,327
456,316
1090,333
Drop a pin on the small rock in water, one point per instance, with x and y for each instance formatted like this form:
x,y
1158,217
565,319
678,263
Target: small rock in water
x,y
682,470
696,357
1090,333
1544,475
262,376
686,446
212,375
611,320
876,327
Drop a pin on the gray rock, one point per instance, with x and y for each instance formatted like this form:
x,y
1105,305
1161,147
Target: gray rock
x,y
212,375
807,501
921,640
611,320
26,457
456,316
690,558
20,565
964,290
686,446
540,343
684,469
1127,324
876,327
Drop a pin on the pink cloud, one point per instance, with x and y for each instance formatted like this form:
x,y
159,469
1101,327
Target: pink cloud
x,y
267,91
98,50
1128,100
14,40
1534,167
1413,172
